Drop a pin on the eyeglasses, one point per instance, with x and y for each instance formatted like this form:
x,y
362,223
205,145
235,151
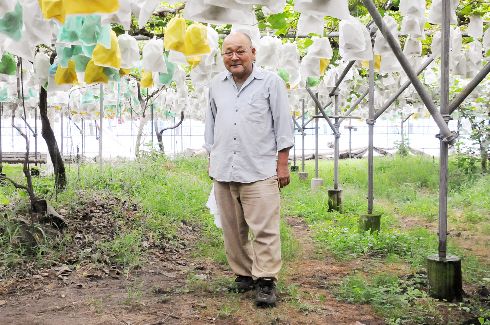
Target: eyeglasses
x,y
229,54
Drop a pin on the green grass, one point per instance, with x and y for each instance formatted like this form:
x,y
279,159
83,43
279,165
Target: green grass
x,y
167,193
398,300
172,193
406,192
406,188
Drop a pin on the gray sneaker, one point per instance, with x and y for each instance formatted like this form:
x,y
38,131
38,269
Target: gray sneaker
x,y
266,293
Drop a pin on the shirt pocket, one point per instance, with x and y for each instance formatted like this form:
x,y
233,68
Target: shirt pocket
x,y
258,107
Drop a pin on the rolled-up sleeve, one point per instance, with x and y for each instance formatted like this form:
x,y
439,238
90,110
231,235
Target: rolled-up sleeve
x,y
281,114
209,124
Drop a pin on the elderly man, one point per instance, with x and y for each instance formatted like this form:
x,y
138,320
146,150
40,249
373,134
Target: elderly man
x,y
248,124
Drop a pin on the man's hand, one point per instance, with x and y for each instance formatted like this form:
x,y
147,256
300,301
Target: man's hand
x,y
283,175
282,167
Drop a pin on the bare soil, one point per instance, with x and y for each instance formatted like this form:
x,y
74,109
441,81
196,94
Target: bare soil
x,y
172,287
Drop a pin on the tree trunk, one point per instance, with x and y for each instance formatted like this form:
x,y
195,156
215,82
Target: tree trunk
x,y
143,122
48,135
484,158
159,137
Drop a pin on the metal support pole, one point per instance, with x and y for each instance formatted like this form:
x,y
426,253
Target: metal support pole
x,y
402,131
101,117
350,139
402,127
342,76
319,107
35,136
392,99
303,135
358,101
370,123
446,134
181,137
337,144
61,131
294,146
469,88
83,138
1,150
316,134
444,271
152,126
444,147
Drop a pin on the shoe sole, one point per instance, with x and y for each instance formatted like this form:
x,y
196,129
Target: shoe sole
x,y
241,290
264,304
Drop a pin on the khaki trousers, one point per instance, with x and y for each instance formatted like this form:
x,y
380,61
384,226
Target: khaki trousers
x,y
253,207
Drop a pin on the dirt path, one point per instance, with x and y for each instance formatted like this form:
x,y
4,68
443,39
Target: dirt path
x,y
174,288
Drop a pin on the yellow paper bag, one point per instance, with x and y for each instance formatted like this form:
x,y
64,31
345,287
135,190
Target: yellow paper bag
x,y
146,79
196,40
53,9
108,57
175,35
324,62
193,60
95,73
66,75
84,7
124,72
377,63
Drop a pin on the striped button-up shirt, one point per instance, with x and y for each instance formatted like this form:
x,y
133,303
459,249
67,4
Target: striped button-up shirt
x,y
247,126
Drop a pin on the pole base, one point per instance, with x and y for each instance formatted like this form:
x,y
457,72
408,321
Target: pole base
x,y
294,168
303,175
35,171
335,200
445,277
316,183
370,222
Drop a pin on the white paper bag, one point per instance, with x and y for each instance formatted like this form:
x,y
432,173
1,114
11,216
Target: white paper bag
x,y
146,11
122,16
475,27
252,31
320,48
381,46
213,208
413,26
354,40
310,24
230,4
333,8
266,51
130,52
153,56
413,47
289,60
412,7
486,40
197,10
275,6
435,13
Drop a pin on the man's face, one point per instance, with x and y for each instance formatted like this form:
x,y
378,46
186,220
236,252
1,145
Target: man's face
x,y
238,55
